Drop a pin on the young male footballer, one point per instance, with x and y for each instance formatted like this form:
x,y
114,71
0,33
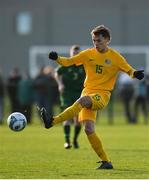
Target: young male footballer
x,y
102,65
70,84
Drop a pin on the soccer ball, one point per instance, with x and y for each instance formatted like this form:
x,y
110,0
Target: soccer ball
x,y
16,121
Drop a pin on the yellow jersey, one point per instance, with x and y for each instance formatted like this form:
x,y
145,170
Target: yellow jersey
x,y
101,68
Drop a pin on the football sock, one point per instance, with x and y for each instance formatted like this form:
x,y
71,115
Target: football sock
x,y
76,132
67,133
68,113
97,146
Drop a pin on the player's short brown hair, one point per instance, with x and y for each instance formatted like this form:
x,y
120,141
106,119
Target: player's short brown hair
x,y
104,31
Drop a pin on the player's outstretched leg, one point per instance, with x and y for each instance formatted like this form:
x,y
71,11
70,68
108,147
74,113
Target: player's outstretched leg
x,y
68,113
47,120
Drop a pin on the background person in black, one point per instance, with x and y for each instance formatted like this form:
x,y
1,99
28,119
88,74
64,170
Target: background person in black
x,y
45,89
126,90
140,100
2,92
12,89
26,96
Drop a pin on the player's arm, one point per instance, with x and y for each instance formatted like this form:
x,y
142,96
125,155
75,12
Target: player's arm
x,y
61,60
138,74
125,67
77,59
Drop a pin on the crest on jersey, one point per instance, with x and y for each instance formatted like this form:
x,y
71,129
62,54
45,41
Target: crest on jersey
x,y
96,97
108,61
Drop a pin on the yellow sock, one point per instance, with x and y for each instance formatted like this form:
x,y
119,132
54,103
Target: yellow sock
x,y
68,113
97,146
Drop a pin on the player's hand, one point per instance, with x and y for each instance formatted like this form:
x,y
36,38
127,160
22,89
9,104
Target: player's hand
x,y
139,74
53,55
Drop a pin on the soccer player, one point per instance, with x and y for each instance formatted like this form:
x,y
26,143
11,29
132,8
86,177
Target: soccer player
x,y
102,65
70,84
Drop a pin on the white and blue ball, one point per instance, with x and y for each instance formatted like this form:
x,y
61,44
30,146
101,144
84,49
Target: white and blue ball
x,y
16,121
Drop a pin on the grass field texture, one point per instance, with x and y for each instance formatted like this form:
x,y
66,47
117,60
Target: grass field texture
x,y
38,153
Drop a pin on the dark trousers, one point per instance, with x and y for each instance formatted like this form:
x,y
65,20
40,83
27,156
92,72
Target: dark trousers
x,y
140,102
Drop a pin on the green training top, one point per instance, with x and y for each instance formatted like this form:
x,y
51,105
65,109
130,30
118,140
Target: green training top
x,y
72,79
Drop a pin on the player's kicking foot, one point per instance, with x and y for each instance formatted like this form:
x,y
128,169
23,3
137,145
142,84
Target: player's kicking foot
x,y
47,120
105,165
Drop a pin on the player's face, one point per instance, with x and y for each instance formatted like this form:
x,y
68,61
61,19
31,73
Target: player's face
x,y
100,43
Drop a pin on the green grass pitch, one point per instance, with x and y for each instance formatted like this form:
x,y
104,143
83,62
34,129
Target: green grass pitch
x,y
38,153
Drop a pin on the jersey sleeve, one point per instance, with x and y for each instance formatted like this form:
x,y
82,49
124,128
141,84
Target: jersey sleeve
x,y
75,60
124,66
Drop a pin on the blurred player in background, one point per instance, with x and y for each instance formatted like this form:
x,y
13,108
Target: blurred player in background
x,y
25,96
45,89
2,95
70,84
126,90
102,65
12,88
140,101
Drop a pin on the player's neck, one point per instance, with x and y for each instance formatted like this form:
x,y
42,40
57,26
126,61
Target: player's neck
x,y
103,50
